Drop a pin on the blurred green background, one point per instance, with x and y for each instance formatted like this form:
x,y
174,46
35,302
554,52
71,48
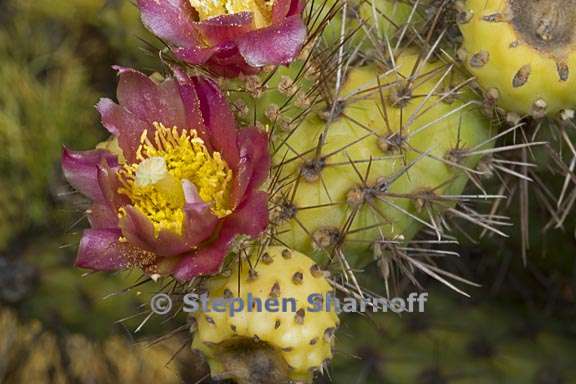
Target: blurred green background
x,y
56,326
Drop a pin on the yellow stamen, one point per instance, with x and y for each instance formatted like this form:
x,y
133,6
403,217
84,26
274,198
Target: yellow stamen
x,y
261,9
154,182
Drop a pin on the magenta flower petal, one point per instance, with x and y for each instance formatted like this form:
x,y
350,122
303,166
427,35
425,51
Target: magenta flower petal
x,y
81,170
196,55
249,219
206,261
223,60
286,8
254,164
102,216
281,10
191,102
170,20
122,124
278,44
142,102
109,184
139,231
254,146
199,222
100,250
219,120
148,101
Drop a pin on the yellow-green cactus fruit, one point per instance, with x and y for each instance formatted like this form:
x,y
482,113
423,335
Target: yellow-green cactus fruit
x,y
263,344
372,168
522,52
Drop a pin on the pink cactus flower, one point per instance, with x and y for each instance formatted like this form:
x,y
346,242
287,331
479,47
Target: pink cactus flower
x,y
229,37
176,184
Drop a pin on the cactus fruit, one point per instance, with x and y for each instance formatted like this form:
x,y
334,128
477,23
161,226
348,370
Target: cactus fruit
x,y
385,159
521,52
268,346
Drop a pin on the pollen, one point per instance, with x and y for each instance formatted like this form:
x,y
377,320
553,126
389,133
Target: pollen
x,y
260,9
154,182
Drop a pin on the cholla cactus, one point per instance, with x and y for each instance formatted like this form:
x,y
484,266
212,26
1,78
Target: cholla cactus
x,y
368,142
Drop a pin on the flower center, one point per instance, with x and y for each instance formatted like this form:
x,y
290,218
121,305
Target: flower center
x,y
154,182
261,9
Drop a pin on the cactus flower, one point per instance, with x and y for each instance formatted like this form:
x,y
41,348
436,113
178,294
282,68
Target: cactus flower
x,y
175,184
229,37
